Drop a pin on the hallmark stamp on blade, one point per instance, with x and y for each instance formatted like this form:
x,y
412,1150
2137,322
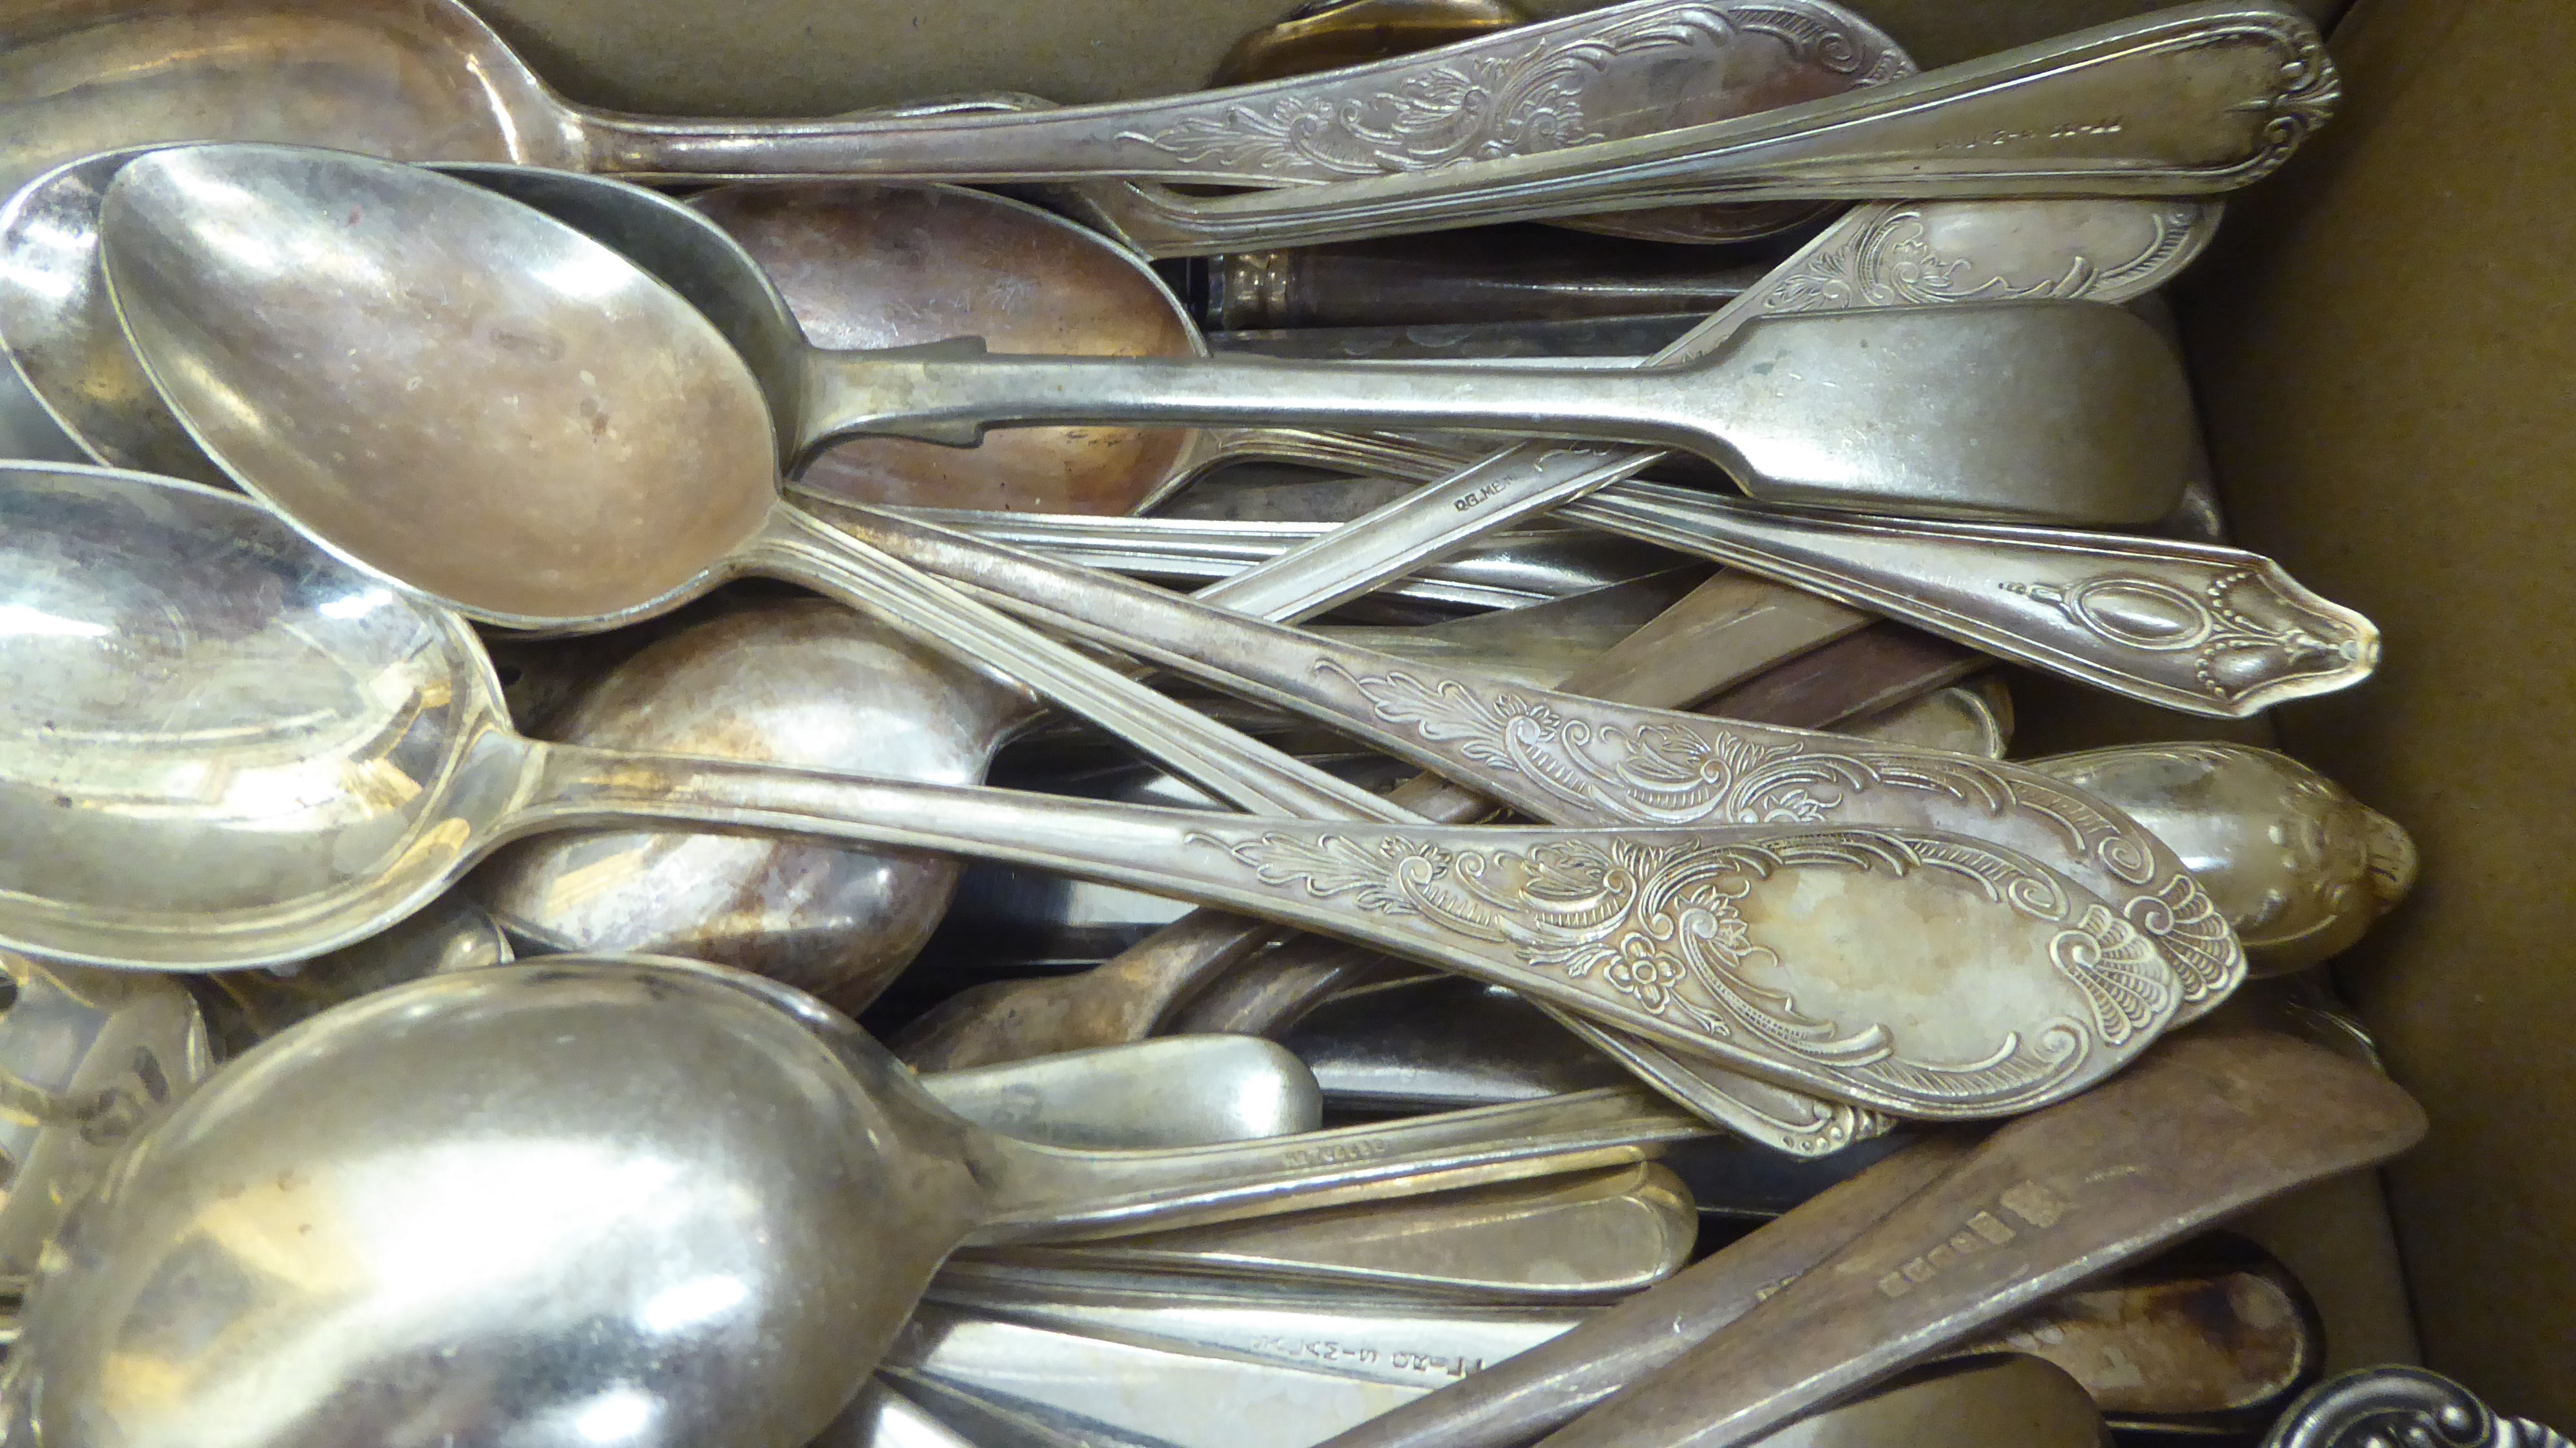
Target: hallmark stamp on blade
x,y
2034,1206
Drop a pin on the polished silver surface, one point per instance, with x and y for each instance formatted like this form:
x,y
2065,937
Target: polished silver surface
x,y
87,1059
1139,1391
718,1248
1587,1237
1171,1092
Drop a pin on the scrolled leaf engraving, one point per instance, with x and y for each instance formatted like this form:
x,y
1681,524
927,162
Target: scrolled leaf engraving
x,y
1661,926
1479,109
1678,771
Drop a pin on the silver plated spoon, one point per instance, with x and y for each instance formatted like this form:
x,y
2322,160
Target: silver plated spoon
x,y
360,741
508,1250
2067,398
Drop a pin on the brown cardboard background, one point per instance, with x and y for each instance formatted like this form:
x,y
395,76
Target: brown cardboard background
x,y
2383,339
2385,349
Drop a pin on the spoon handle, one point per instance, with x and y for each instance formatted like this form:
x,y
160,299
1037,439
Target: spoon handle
x,y
1581,761
2067,411
1227,763
1873,257
2197,627
1049,1194
1707,941
1501,570
2190,100
2207,1126
1627,70
2192,626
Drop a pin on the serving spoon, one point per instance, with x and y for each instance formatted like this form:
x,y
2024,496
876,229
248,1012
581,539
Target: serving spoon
x,y
754,1218
345,807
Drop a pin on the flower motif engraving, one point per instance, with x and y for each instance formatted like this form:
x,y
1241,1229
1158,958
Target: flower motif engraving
x,y
1661,926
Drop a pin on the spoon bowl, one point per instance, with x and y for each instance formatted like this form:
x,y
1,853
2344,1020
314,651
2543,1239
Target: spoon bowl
x,y
718,1249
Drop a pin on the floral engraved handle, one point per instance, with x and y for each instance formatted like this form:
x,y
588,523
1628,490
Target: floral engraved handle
x,y
1572,83
1719,946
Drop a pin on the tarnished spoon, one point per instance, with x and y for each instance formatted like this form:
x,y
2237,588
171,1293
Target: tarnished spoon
x,y
753,1217
149,590
2210,1123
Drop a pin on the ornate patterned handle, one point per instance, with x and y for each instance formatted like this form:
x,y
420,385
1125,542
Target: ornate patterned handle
x,y
2094,112
2381,1407
1575,760
2191,626
1628,70
1711,941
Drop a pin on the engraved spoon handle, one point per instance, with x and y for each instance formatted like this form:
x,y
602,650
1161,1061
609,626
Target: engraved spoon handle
x,y
1872,257
2191,626
1577,918
1625,70
1574,760
2191,100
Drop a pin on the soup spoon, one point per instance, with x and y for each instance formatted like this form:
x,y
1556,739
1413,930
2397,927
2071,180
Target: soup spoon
x,y
2085,395
753,1219
365,762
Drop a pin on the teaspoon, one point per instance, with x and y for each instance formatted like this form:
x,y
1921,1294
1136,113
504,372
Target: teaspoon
x,y
753,1219
365,761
